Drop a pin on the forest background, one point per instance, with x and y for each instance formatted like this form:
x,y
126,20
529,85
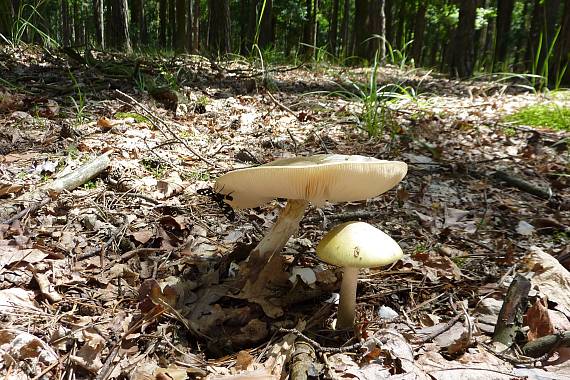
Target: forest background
x,y
462,37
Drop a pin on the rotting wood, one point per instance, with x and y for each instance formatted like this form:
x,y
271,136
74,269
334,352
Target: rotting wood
x,y
302,359
546,344
523,185
44,194
511,315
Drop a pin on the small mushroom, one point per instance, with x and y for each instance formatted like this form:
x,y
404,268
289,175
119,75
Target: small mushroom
x,y
315,179
355,245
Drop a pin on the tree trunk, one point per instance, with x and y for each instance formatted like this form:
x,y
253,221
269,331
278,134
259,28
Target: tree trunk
x,y
562,53
345,31
504,16
99,21
162,23
247,25
120,26
219,23
139,32
461,64
180,26
419,30
388,9
307,48
378,30
6,20
266,35
400,37
196,27
542,30
65,23
333,28
361,20
189,17
171,24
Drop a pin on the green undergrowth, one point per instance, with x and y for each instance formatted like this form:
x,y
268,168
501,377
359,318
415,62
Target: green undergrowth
x,y
547,115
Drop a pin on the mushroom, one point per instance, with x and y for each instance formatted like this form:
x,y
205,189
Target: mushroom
x,y
355,245
316,179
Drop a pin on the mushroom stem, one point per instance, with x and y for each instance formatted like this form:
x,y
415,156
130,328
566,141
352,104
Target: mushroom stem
x,y
347,302
286,225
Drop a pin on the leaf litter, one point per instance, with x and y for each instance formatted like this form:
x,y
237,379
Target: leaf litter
x,y
129,272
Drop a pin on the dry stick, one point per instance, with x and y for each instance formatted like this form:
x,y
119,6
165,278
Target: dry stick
x,y
437,333
511,315
318,347
523,185
280,105
165,125
66,183
363,214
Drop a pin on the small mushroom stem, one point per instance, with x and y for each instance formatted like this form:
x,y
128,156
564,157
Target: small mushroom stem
x,y
347,302
286,225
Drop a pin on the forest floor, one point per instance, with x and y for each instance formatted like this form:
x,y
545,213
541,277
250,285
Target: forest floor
x,y
122,269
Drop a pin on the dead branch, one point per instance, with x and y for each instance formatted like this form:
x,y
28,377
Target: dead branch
x,y
155,120
546,344
354,215
303,357
511,315
40,197
523,185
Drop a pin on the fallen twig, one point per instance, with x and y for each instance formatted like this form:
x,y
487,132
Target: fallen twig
x,y
45,194
156,119
317,346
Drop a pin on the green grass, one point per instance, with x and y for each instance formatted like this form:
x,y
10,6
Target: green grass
x,y
548,115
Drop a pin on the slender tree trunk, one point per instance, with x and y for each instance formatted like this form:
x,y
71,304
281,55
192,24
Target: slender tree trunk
x,y
419,29
196,27
162,6
171,24
361,26
562,53
333,28
388,9
189,17
401,26
180,25
345,31
314,26
461,64
502,40
65,23
99,21
248,24
120,26
378,30
219,23
307,48
6,20
542,32
139,31
266,36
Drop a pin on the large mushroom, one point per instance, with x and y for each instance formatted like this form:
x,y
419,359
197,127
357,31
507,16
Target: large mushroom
x,y
315,179
355,245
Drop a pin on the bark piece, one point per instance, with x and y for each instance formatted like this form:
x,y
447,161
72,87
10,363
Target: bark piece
x,y
511,314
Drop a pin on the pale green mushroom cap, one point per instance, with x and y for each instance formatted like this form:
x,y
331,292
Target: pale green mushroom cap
x,y
318,179
358,245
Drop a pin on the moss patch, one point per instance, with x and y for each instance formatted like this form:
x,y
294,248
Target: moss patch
x,y
125,115
547,115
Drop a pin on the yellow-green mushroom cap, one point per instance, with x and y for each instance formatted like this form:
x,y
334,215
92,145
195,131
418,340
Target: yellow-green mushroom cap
x,y
318,179
358,245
